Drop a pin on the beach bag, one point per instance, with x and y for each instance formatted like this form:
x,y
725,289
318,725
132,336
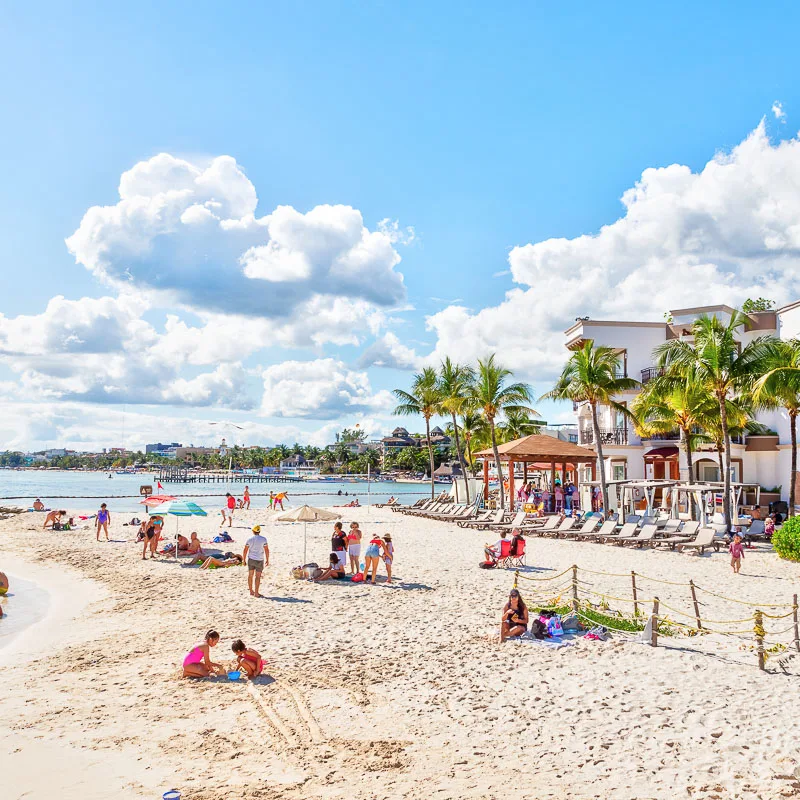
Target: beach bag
x,y
487,564
554,626
570,622
298,573
358,577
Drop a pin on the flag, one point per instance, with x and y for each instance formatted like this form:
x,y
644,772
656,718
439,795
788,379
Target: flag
x,y
158,484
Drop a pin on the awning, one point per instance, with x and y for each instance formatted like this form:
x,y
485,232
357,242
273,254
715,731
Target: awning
x,y
671,451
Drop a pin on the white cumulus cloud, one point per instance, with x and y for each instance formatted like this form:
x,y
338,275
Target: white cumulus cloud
x,y
778,112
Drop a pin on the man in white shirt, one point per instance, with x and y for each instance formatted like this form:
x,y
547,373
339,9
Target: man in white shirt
x,y
493,553
256,556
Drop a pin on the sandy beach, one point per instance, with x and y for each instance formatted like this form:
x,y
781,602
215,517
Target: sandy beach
x,y
377,691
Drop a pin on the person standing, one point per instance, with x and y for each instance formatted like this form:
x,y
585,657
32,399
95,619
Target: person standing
x,y
246,498
230,507
279,498
271,499
737,553
388,555
256,556
103,518
354,547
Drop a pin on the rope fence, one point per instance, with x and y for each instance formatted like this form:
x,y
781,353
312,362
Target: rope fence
x,y
552,593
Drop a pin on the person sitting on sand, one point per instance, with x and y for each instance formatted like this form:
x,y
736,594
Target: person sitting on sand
x,y
183,543
493,552
53,519
514,621
38,505
230,560
198,663
248,659
334,571
195,548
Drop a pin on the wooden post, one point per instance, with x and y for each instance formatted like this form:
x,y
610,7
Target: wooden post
x,y
511,496
796,628
758,630
654,620
696,606
524,471
516,578
575,603
486,482
635,599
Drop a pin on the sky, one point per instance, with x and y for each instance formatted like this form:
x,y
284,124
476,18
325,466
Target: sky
x,y
268,216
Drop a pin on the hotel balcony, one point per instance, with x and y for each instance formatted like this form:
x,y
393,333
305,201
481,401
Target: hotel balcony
x,y
607,436
651,372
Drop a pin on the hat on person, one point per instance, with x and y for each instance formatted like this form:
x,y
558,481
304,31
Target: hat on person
x,y
256,529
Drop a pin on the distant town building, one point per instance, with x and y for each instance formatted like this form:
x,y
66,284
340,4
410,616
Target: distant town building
x,y
164,450
298,466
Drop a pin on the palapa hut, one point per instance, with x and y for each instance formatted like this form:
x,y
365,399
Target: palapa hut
x,y
538,449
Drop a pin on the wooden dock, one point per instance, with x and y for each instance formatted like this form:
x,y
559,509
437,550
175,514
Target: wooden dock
x,y
185,475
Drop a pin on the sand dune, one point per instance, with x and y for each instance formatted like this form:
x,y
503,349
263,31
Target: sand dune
x,y
385,691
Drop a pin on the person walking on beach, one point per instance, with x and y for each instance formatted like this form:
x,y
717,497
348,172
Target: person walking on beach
x,y
246,498
256,555
103,518
230,507
271,499
737,553
279,498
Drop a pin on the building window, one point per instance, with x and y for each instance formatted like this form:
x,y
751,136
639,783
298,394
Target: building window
x,y
619,470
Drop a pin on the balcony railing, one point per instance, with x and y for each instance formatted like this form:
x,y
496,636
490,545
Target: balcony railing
x,y
651,372
672,436
607,436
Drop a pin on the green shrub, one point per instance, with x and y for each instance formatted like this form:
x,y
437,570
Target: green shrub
x,y
786,539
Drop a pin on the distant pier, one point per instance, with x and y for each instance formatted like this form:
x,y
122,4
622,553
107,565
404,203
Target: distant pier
x,y
185,475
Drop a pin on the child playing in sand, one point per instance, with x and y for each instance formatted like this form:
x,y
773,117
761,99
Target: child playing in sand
x,y
198,663
737,553
248,659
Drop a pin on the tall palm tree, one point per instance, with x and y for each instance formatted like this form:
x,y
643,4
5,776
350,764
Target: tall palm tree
x,y
492,395
425,399
779,387
455,381
516,425
474,428
715,360
664,406
590,376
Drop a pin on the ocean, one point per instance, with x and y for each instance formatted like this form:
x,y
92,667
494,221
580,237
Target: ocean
x,y
84,491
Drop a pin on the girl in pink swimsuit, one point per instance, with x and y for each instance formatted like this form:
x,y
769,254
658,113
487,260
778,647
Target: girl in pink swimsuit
x,y
198,663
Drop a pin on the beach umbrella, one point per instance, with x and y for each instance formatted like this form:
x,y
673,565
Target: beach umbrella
x,y
306,514
179,508
157,499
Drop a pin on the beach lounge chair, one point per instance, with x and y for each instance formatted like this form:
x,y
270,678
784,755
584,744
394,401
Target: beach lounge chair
x,y
449,512
607,529
484,516
589,526
670,526
550,524
646,534
755,531
566,524
626,531
495,517
705,538
419,504
515,522
425,510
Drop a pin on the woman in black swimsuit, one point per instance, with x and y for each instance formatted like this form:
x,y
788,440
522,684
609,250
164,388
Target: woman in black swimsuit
x,y
514,621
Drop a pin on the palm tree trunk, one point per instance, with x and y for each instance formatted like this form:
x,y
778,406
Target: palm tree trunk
x,y
600,460
430,454
497,463
793,429
726,500
687,448
460,458
720,459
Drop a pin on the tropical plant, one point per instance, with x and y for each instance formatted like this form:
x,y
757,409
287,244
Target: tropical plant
x,y
786,539
716,360
779,387
455,382
424,399
590,376
759,304
475,430
516,425
738,412
492,396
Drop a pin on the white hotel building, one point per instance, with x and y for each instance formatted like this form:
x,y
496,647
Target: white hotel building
x,y
763,460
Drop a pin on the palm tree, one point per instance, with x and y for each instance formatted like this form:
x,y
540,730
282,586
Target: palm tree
x,y
455,381
714,359
425,399
779,387
492,396
517,425
737,411
663,406
474,428
590,376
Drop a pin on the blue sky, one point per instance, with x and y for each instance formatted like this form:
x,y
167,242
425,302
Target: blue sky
x,y
482,128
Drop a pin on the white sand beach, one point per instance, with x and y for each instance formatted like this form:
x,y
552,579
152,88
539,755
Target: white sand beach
x,y
396,691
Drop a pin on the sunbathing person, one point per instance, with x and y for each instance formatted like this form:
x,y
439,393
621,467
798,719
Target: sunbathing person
x,y
183,544
230,560
198,663
514,621
38,505
248,659
195,548
335,570
53,519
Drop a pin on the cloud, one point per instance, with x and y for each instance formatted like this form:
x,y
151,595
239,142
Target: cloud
x,y
721,235
320,389
777,110
390,352
191,231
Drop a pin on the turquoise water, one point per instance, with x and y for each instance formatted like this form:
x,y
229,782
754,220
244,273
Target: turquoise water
x,y
25,604
84,491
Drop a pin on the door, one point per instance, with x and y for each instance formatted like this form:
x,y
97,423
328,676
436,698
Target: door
x,y
674,471
658,470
